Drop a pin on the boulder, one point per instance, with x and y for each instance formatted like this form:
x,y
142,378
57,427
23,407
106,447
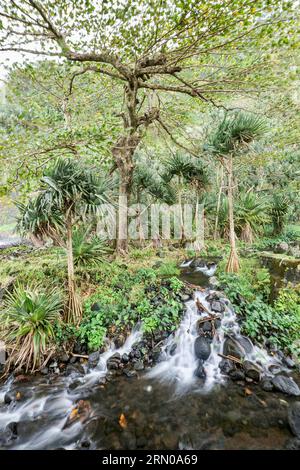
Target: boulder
x,y
282,247
172,349
286,385
217,306
207,326
74,369
252,370
245,343
237,375
94,359
226,366
294,418
202,348
200,371
232,347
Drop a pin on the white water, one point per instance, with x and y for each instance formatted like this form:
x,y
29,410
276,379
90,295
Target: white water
x,y
179,367
207,271
57,402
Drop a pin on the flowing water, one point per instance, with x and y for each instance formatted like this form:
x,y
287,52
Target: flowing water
x,y
167,407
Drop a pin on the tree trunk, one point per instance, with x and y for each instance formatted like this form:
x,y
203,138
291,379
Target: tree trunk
x,y
219,203
199,241
233,261
122,232
73,311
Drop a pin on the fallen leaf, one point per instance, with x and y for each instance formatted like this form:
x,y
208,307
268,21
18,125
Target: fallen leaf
x,y
248,391
123,421
18,396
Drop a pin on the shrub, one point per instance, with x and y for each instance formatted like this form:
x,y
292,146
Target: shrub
x,y
88,251
27,324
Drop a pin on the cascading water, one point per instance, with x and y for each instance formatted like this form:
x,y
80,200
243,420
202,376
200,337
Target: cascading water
x,y
48,405
179,361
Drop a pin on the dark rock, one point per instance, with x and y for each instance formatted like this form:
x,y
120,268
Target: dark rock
x,y
198,263
8,398
294,418
11,431
173,348
207,326
94,359
252,370
130,373
45,371
288,362
218,323
217,306
266,385
139,365
200,371
119,341
226,366
236,375
293,444
74,384
125,358
233,348
96,307
74,369
202,348
245,343
112,365
286,385
64,357
73,360
274,369
115,357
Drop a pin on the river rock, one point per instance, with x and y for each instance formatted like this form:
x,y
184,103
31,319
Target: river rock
x,y
200,371
236,375
44,371
9,398
226,366
130,373
202,348
286,385
172,349
288,362
139,365
94,359
213,282
198,263
207,326
74,369
294,418
217,306
125,358
293,444
245,343
266,385
231,347
252,370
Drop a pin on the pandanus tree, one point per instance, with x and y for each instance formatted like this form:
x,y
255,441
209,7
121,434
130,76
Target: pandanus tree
x,y
68,193
231,138
188,171
278,212
148,184
252,214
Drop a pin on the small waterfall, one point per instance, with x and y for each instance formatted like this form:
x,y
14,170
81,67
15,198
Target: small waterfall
x,y
52,403
179,363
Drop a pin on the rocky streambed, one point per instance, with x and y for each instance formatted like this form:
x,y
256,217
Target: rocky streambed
x,y
206,386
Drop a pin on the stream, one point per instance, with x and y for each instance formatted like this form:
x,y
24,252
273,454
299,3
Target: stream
x,y
186,401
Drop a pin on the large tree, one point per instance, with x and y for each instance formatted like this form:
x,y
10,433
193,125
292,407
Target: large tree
x,y
150,47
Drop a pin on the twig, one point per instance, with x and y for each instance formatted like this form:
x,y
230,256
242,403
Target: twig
x,y
84,356
231,358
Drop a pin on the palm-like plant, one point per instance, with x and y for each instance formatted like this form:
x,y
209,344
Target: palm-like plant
x,y
234,134
188,170
278,211
86,249
251,215
69,191
27,324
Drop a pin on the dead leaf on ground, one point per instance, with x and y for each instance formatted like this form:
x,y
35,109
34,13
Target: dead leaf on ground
x,y
123,421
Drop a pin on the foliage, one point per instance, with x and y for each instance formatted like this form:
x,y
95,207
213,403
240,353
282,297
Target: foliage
x,y
278,211
169,269
27,323
88,250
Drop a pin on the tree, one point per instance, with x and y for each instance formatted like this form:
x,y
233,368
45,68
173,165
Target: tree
x,y
251,214
192,48
233,135
68,191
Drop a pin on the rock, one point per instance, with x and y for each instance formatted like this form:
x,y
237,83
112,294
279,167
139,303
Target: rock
x,y
173,348
252,370
130,373
64,357
218,323
207,326
288,362
237,374
282,247
125,358
11,431
226,366
286,385
96,307
245,343
139,365
233,348
45,371
74,384
200,371
294,418
112,365
115,357
9,398
274,369
266,385
53,365
202,348
185,297
293,444
198,263
94,359
217,306
120,340
213,281
74,369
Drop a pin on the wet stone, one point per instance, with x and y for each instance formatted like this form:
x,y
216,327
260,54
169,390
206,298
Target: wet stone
x,y
202,348
139,365
252,370
286,385
94,359
294,418
266,385
237,375
226,366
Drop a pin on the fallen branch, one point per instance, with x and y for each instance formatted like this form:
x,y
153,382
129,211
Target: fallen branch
x,y
210,318
231,358
84,356
200,306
